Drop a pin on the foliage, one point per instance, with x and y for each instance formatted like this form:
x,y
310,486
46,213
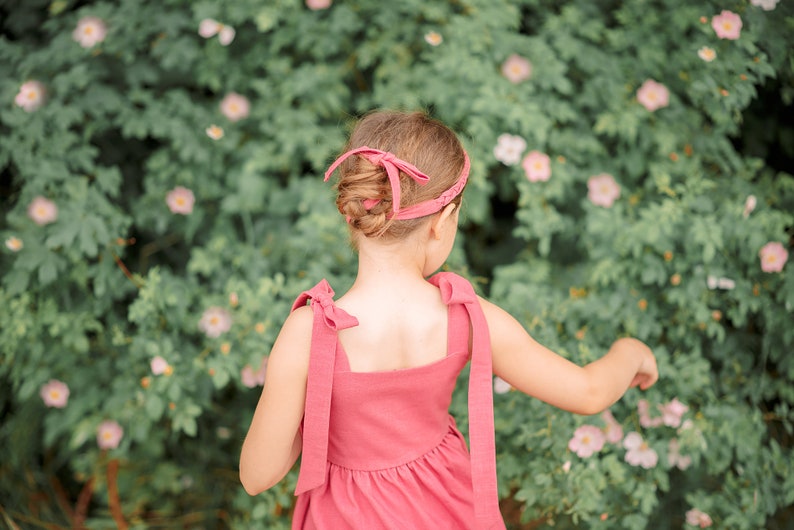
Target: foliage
x,y
135,113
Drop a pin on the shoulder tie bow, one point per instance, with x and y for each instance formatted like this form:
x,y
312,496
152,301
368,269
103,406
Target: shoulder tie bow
x,y
328,319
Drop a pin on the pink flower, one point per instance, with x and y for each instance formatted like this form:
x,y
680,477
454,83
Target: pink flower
x,y
109,434
674,456
602,190
315,5
643,408
516,68
180,200
208,28
89,31
727,25
773,257
613,430
697,518
215,321
587,440
749,205
713,282
500,386
235,107
537,166
672,412
14,244
214,132
30,96
653,95
55,393
707,54
433,38
250,378
159,365
42,211
766,5
226,35
509,148
638,452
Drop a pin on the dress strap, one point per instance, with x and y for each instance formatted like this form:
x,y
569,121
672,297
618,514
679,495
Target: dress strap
x,y
456,290
328,319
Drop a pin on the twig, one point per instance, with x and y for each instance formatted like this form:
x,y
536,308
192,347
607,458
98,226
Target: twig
x,y
113,495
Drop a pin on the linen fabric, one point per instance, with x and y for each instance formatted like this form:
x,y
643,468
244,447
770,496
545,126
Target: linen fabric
x,y
380,449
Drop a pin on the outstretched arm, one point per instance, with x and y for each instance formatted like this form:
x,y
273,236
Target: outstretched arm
x,y
535,370
273,442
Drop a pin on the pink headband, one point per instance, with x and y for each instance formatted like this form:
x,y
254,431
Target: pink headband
x,y
393,166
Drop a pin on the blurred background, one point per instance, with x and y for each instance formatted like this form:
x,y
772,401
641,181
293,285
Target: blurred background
x,y
162,205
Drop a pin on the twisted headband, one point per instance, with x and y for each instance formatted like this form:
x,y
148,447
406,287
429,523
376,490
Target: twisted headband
x,y
393,166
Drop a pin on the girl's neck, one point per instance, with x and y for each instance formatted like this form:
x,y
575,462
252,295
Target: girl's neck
x,y
389,267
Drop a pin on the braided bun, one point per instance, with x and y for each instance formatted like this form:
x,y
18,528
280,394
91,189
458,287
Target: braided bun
x,y
364,194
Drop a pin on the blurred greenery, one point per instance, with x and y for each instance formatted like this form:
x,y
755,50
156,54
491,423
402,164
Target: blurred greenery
x,y
118,278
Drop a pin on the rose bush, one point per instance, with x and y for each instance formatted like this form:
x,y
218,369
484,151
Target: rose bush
x,y
163,204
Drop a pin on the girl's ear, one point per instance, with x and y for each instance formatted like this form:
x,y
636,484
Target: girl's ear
x,y
447,215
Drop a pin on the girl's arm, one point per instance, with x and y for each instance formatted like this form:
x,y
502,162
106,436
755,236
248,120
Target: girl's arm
x,y
535,370
273,442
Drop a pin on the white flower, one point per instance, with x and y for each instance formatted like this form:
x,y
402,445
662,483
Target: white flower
x,y
766,5
509,149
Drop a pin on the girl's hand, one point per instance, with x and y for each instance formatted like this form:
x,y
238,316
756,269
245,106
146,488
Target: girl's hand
x,y
647,374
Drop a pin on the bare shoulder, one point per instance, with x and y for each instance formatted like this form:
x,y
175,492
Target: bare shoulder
x,y
293,344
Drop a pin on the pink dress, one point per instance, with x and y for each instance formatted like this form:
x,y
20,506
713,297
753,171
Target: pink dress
x,y
380,449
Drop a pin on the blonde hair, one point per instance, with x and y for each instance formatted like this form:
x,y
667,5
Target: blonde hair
x,y
413,137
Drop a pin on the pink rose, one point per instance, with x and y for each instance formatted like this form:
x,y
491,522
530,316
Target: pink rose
x,y
727,25
30,96
653,95
42,211
674,456
235,107
749,205
500,386
516,69
509,148
639,452
602,190
55,394
159,365
773,257
226,35
215,321
14,244
89,31
613,430
537,166
707,54
315,5
214,132
251,378
109,434
587,440
208,28
433,38
180,200
697,518
672,412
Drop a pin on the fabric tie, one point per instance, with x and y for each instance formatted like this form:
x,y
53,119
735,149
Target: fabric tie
x,y
391,164
328,319
455,290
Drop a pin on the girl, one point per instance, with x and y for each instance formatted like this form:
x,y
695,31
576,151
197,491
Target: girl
x,y
360,386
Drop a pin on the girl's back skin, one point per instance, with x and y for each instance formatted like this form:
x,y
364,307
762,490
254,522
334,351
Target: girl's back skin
x,y
402,318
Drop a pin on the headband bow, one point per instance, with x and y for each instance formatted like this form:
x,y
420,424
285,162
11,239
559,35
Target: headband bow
x,y
393,166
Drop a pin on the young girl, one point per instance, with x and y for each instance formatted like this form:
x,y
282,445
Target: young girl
x,y
361,386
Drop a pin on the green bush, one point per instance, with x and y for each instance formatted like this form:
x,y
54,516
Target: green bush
x,y
164,204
